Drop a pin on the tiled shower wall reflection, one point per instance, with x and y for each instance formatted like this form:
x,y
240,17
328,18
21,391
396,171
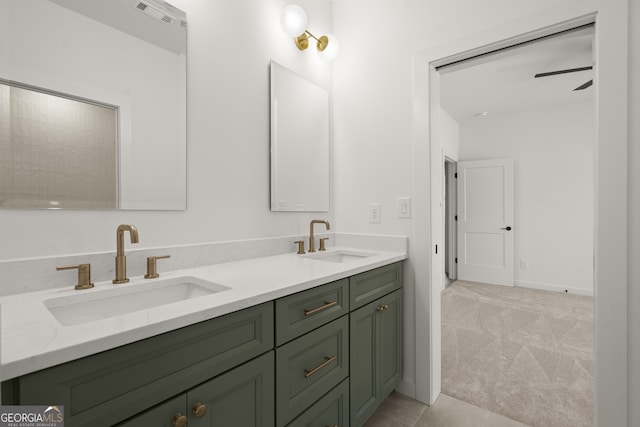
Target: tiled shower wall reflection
x,y
55,152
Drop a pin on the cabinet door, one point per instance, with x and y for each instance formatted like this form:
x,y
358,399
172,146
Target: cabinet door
x,y
242,397
376,354
163,415
391,342
363,371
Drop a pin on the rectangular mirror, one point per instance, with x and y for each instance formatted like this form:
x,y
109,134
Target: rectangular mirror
x,y
92,105
299,143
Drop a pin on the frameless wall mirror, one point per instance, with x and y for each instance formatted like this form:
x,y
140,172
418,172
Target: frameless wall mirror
x,y
299,143
92,105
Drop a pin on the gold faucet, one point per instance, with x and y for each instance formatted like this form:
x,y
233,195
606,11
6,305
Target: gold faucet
x,y
121,259
312,244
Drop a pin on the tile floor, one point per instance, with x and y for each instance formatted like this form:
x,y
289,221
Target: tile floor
x,y
399,410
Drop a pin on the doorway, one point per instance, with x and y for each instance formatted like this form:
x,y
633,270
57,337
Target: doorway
x,y
611,205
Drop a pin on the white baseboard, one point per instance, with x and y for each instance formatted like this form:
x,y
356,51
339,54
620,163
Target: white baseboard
x,y
408,388
553,287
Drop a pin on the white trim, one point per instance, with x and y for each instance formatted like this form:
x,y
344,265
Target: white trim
x,y
553,287
611,17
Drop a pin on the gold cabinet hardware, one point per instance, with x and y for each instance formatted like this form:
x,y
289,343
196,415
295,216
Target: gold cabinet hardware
x,y
309,312
152,266
327,360
322,248
199,410
84,275
179,420
383,308
300,246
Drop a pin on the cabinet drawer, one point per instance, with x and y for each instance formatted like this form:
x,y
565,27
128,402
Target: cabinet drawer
x,y
105,388
300,313
310,366
241,397
332,410
371,285
161,415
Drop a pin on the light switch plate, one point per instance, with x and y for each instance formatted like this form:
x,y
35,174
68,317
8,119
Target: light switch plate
x,y
404,207
375,213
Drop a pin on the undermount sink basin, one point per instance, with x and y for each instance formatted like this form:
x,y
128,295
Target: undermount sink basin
x,y
90,306
340,256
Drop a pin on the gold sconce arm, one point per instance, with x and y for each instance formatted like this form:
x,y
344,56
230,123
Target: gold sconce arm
x,y
302,41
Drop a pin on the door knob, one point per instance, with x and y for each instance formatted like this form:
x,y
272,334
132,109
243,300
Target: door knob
x,y
506,228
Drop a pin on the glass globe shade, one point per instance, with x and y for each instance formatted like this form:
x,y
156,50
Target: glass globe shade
x,y
293,20
331,51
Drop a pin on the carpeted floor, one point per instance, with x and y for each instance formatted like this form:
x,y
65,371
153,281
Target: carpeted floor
x,y
522,353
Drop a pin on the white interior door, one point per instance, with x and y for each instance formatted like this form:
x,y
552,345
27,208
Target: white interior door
x,y
485,221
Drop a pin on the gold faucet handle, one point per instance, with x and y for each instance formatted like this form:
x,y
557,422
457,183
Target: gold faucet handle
x,y
300,246
152,267
322,248
84,275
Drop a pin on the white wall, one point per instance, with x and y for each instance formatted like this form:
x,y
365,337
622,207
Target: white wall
x,y
230,44
553,150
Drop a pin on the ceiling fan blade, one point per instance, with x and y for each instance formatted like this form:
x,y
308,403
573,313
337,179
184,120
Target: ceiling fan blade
x,y
584,86
570,70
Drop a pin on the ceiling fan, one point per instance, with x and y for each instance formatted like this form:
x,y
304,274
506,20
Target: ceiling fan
x,y
570,70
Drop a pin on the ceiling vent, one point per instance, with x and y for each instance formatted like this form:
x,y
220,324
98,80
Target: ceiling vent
x,y
154,12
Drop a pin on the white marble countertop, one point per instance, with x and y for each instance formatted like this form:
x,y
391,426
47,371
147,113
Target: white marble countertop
x,y
31,338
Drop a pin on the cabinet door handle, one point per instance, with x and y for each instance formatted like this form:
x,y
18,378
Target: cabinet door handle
x,y
383,308
327,360
322,307
179,420
199,410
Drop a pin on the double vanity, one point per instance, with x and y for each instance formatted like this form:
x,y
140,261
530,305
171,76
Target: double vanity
x,y
289,339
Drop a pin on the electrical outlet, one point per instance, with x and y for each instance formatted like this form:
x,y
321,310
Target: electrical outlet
x,y
524,264
404,207
375,213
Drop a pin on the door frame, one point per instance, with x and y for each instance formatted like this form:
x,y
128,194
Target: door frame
x,y
450,215
610,257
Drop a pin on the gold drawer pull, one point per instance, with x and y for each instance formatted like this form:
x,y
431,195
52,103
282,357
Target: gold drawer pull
x,y
383,308
323,307
327,360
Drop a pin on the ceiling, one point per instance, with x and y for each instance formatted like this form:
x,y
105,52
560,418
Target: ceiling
x,y
504,81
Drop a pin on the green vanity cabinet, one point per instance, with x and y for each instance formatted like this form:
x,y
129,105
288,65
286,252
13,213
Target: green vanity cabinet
x,y
371,285
109,387
376,354
331,410
304,311
240,397
326,356
163,415
309,367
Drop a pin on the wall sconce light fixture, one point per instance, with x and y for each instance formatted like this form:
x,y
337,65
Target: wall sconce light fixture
x,y
294,23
